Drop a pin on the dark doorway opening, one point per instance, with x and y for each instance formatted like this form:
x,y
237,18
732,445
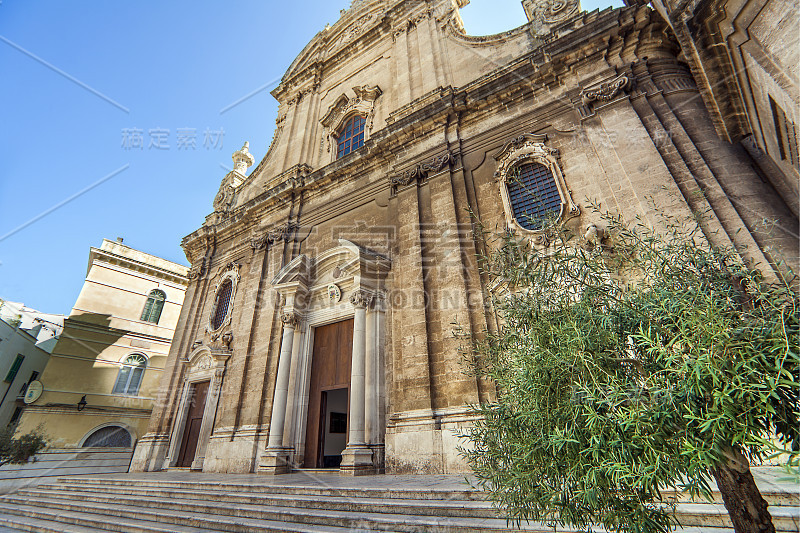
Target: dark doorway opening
x,y
194,419
333,429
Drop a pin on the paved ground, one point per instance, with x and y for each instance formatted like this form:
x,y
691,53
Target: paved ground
x,y
766,478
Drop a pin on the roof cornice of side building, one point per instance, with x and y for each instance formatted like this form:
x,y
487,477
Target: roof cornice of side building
x,y
116,253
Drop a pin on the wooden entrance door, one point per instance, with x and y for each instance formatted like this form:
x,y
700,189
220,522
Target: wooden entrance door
x,y
194,419
330,369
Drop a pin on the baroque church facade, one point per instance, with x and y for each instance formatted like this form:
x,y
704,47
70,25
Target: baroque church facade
x,y
317,328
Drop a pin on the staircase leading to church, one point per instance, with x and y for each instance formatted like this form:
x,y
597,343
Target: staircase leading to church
x,y
309,502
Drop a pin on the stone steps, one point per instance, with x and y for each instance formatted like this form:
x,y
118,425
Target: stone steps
x,y
196,502
319,488
45,515
422,507
242,517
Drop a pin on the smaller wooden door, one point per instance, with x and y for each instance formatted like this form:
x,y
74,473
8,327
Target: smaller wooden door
x,y
194,419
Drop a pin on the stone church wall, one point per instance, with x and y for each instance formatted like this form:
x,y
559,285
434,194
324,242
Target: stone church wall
x,y
602,95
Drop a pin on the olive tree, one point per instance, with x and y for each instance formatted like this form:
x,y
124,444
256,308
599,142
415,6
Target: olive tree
x,y
650,361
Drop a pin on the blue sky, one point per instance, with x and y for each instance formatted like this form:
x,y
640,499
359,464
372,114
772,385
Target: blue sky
x,y
81,81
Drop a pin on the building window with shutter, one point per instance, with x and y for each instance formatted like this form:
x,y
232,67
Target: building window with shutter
x,y
12,372
351,136
130,375
153,306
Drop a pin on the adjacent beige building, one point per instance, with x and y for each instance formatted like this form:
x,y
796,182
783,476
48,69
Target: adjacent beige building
x,y
103,374
324,288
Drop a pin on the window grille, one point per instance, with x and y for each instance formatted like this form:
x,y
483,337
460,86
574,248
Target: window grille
x,y
534,196
351,136
153,306
109,437
130,375
222,303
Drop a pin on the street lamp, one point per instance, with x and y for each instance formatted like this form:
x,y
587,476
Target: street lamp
x,y
82,403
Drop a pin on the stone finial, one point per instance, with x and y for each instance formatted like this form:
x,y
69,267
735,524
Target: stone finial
x,y
242,159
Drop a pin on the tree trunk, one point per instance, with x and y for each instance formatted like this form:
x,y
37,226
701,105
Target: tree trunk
x,y
745,505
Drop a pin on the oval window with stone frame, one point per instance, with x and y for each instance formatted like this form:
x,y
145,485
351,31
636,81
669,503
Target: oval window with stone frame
x,y
535,196
221,304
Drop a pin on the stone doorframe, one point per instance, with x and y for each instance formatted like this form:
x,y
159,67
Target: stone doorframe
x,y
203,365
347,281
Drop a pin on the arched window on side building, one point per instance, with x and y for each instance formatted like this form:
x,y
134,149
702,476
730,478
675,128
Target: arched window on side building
x,y
130,375
153,306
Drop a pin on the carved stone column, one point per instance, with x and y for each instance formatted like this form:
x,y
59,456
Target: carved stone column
x,y
357,457
374,419
276,457
370,383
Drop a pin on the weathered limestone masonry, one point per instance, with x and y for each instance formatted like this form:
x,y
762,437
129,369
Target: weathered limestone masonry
x,y
349,264
745,58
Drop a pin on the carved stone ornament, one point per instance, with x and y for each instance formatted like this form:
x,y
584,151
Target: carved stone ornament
x,y
281,233
531,148
197,270
258,242
526,146
355,29
344,107
422,170
227,339
203,363
334,292
289,319
543,13
606,91
224,198
361,299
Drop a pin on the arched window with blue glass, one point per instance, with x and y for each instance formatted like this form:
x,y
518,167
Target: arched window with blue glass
x,y
153,306
351,136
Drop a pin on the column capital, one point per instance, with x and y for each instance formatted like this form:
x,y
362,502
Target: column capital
x,y
289,319
361,299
